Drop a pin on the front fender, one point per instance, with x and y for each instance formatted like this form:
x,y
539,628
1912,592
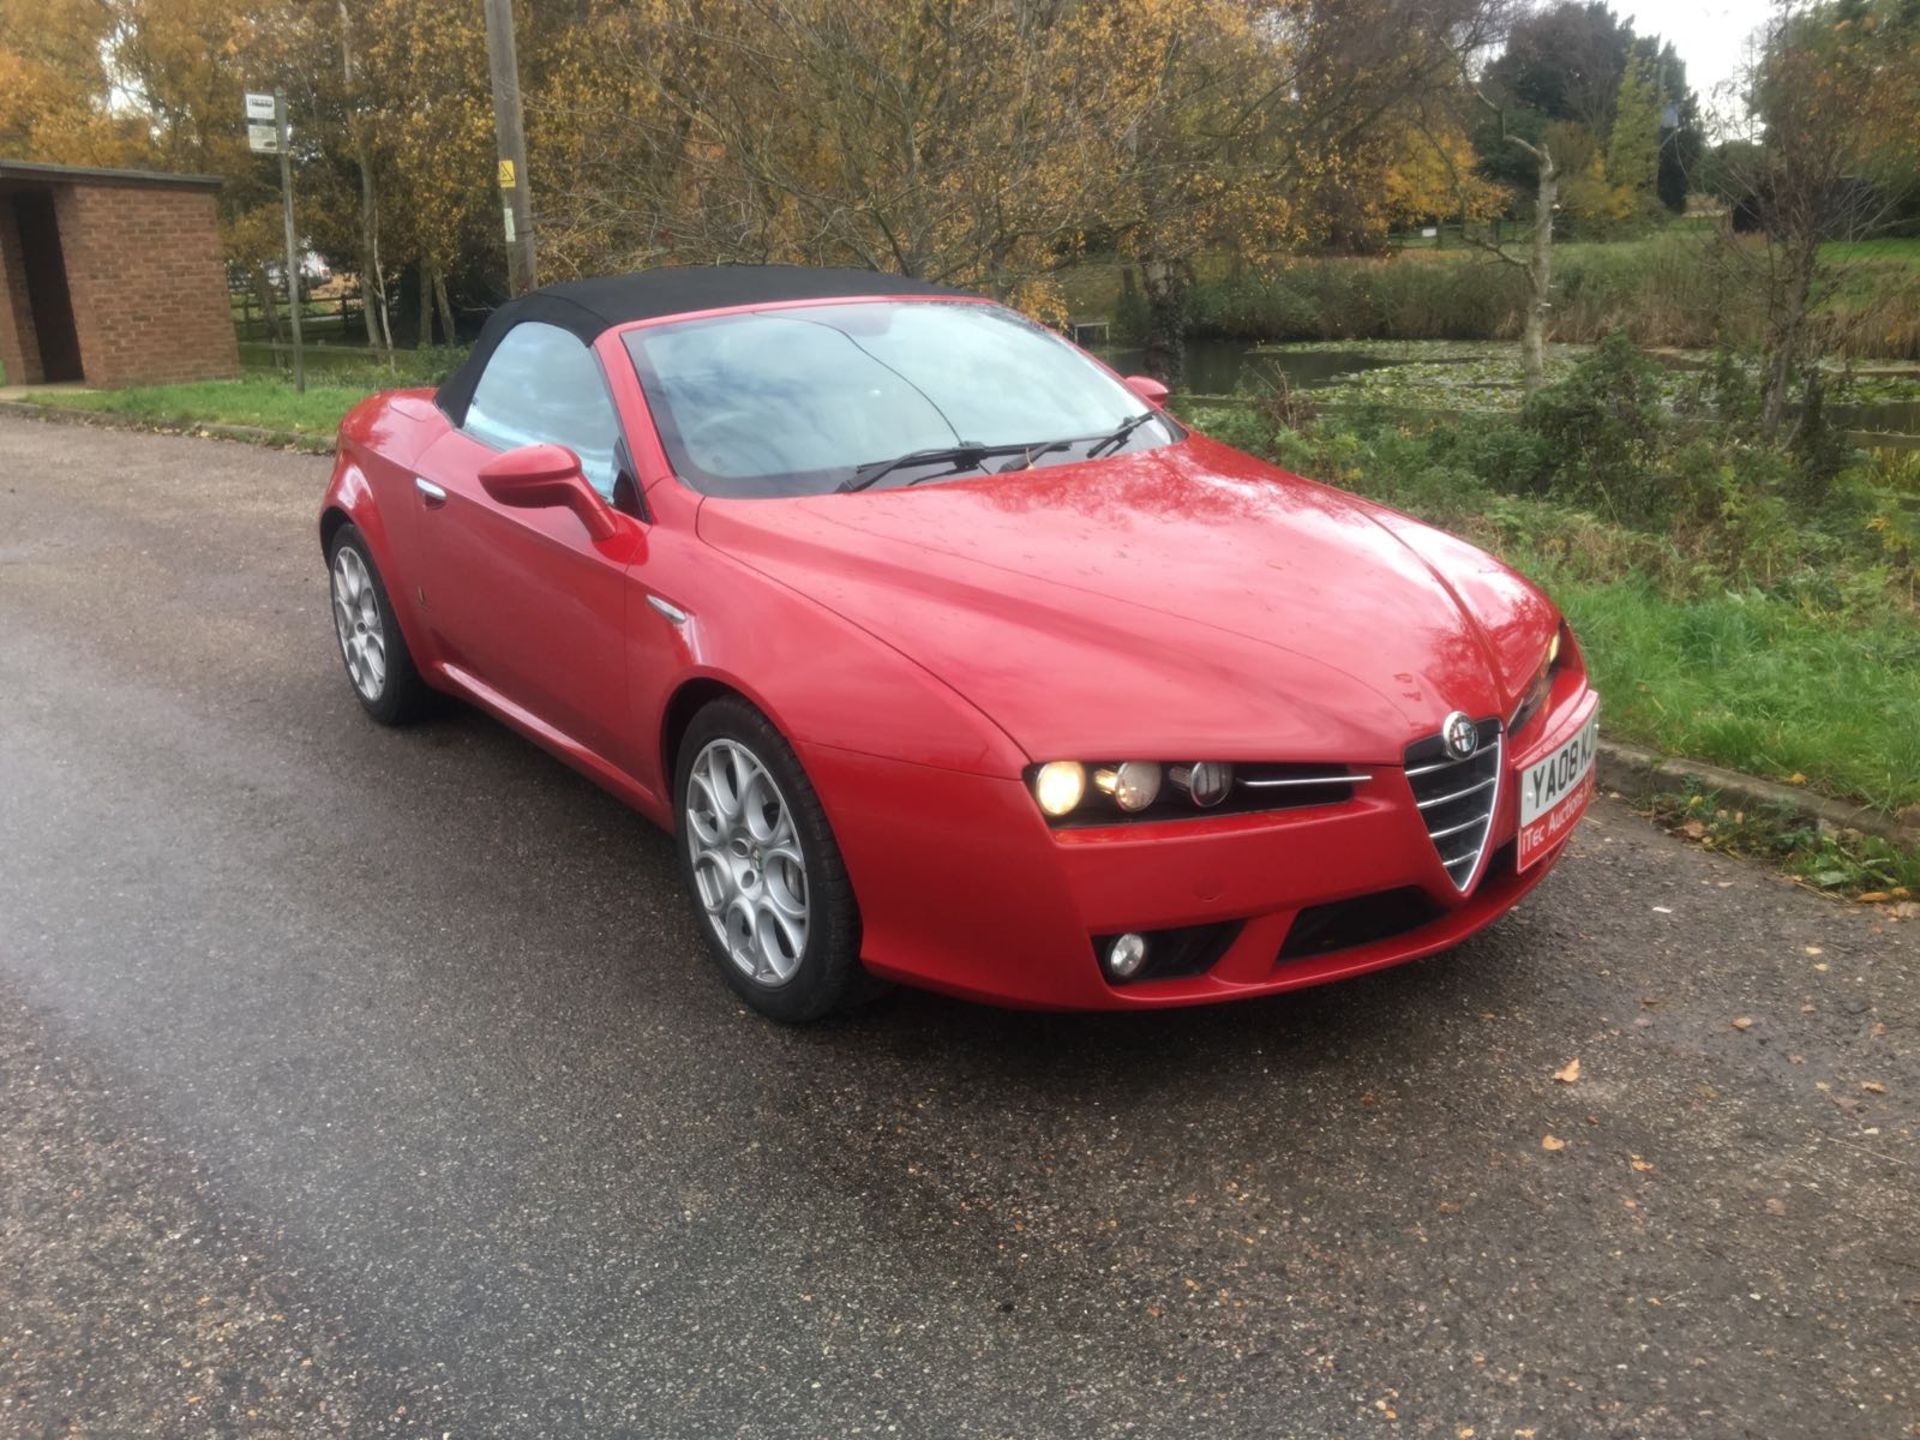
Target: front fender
x,y
819,678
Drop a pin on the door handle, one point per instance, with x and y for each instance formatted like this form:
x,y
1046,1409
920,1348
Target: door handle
x,y
431,493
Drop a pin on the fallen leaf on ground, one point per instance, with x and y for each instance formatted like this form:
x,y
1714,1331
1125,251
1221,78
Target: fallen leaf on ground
x,y
1873,897
1742,1022
1873,1087
1568,1073
1796,778
1776,1207
1641,1165
1552,1142
1815,950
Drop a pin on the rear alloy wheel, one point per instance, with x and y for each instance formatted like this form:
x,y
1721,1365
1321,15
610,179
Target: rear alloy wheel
x,y
378,662
763,869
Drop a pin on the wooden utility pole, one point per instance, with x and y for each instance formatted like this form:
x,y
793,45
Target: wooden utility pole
x,y
293,255
516,204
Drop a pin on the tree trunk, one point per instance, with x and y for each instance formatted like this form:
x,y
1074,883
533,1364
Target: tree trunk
x,y
373,285
1165,283
1533,339
426,304
446,309
263,291
1787,335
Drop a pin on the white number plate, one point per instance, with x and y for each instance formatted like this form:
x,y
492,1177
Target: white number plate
x,y
1554,794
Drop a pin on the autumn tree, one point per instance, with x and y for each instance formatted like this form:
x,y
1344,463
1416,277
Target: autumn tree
x,y
1255,114
54,85
1831,97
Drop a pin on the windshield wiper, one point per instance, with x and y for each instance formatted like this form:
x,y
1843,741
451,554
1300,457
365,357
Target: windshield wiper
x,y
967,455
1117,437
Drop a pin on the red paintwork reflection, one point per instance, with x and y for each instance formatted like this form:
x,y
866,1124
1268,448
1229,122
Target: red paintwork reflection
x,y
920,646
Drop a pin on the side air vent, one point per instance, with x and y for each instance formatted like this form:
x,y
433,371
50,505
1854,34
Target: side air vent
x,y
1457,799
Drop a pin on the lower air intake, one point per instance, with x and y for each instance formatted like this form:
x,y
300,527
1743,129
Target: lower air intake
x,y
1457,799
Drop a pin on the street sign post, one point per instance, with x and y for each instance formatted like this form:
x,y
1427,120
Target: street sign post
x,y
267,135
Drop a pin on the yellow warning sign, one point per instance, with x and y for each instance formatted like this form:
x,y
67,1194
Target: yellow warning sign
x,y
506,174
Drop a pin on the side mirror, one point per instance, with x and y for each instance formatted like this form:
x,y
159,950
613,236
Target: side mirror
x,y
539,477
1148,389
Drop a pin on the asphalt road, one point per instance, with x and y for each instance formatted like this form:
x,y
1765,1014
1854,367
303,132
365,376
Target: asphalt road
x,y
365,1082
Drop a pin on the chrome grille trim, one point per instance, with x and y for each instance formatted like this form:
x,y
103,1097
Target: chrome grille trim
x,y
1458,794
1305,780
1458,799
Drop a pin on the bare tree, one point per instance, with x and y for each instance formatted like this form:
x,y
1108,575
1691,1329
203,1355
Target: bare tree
x,y
1536,260
1827,108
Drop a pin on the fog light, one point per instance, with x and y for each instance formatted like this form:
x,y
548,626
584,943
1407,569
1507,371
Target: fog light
x,y
1059,785
1133,786
1127,954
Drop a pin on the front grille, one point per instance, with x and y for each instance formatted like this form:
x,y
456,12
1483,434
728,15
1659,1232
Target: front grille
x,y
1457,799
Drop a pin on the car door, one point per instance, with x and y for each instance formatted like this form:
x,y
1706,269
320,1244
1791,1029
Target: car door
x,y
526,601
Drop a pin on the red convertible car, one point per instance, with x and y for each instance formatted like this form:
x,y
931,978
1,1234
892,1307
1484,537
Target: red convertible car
x,y
946,654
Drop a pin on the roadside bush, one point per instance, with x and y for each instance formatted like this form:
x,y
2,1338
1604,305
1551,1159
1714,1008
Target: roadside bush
x,y
1602,428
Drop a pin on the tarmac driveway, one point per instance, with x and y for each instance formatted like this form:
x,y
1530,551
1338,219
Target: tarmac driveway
x,y
374,1083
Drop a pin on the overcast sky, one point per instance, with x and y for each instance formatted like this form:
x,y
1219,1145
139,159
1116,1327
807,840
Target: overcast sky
x,y
1710,35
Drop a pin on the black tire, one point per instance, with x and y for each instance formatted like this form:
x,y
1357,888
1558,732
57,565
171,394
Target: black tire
x,y
829,975
400,696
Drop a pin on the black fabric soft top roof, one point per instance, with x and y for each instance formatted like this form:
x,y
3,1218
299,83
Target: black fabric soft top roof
x,y
589,308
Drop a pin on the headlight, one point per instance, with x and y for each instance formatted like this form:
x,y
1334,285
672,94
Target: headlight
x,y
1541,686
1059,785
1108,791
1209,782
1134,786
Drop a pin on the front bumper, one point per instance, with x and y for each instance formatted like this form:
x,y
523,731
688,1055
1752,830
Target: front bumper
x,y
966,890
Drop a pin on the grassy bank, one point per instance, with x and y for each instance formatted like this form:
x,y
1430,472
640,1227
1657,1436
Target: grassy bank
x,y
1738,605
1669,290
337,380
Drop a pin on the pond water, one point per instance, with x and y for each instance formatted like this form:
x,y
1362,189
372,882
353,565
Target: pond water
x,y
1445,375
1224,367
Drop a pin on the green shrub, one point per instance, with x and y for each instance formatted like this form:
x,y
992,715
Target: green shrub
x,y
1602,428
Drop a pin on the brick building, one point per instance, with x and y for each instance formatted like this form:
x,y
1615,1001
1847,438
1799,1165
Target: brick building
x,y
112,277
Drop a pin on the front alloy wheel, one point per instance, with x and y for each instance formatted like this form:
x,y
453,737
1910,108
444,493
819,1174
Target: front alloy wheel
x,y
378,662
749,869
762,867
356,616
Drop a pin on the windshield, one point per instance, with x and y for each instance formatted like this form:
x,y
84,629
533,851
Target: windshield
x,y
803,401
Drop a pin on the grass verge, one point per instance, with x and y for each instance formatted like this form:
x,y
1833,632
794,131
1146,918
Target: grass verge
x,y
1732,609
265,398
263,401
1844,862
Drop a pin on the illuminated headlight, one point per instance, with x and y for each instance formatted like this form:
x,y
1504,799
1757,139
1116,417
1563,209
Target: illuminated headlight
x,y
1133,786
1059,786
1542,683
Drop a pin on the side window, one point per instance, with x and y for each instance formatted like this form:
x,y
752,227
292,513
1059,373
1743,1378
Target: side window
x,y
543,386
